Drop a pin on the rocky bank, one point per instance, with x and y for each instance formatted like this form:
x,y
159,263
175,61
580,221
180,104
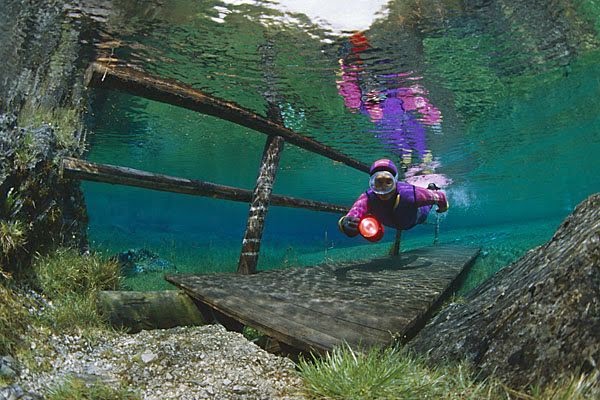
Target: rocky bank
x,y
184,363
536,320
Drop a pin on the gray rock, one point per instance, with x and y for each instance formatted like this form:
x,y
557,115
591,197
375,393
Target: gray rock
x,y
8,367
537,319
139,261
148,356
15,392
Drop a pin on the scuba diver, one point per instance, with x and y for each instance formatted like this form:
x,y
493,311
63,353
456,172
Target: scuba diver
x,y
389,202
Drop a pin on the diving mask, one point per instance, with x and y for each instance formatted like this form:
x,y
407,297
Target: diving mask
x,y
382,182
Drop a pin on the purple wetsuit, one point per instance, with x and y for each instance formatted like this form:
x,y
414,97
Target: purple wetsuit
x,y
409,207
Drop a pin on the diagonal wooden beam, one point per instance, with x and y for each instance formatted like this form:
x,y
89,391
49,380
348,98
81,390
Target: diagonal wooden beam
x,y
80,169
132,81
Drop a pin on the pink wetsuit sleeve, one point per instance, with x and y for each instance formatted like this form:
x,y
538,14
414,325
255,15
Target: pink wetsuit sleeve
x,y
359,208
426,197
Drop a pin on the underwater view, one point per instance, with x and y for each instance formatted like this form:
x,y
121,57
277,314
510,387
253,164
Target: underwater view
x,y
492,102
416,182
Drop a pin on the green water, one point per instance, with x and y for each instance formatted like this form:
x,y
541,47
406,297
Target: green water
x,y
511,116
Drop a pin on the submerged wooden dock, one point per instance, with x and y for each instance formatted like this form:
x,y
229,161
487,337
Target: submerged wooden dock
x,y
314,309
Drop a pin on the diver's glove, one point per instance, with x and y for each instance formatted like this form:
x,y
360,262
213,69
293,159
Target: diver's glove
x,y
349,225
441,200
442,203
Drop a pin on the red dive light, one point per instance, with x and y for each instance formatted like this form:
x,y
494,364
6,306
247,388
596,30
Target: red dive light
x,y
370,229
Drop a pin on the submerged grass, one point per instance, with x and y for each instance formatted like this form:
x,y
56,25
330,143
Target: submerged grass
x,y
66,272
13,320
12,235
69,283
72,281
393,373
77,389
383,374
581,387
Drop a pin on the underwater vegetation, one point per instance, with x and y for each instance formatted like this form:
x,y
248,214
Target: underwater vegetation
x,y
393,373
67,283
77,389
13,317
38,209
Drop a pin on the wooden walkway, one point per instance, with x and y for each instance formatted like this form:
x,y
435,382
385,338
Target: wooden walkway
x,y
314,309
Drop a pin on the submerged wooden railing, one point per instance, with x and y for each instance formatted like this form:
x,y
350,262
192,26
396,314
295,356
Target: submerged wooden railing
x,y
135,82
80,169
132,81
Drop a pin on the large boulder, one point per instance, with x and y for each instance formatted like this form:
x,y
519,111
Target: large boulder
x,y
538,319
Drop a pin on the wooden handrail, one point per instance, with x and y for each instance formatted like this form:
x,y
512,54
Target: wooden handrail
x,y
80,169
132,81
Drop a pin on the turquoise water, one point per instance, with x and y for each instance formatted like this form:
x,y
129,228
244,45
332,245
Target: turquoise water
x,y
501,100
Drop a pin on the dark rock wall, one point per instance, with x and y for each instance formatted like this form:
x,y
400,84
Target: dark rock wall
x,y
44,46
537,319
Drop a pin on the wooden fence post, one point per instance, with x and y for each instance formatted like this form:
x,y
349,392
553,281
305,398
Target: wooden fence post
x,y
260,205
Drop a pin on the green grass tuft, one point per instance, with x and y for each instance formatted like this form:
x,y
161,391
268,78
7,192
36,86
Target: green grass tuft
x,y
66,272
72,282
580,387
13,317
74,312
374,374
77,389
392,373
12,235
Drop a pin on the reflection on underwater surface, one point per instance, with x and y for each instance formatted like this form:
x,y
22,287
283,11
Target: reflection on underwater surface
x,y
498,101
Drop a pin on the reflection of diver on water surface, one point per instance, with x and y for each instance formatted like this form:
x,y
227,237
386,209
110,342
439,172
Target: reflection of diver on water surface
x,y
400,112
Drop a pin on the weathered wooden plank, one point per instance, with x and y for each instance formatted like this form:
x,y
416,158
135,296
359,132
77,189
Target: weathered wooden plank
x,y
369,302
262,310
381,317
276,301
136,82
80,169
357,287
286,330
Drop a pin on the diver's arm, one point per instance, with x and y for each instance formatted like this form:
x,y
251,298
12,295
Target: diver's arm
x,y
426,197
348,224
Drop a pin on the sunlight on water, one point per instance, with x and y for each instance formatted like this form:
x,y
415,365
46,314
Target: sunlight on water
x,y
339,16
498,102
